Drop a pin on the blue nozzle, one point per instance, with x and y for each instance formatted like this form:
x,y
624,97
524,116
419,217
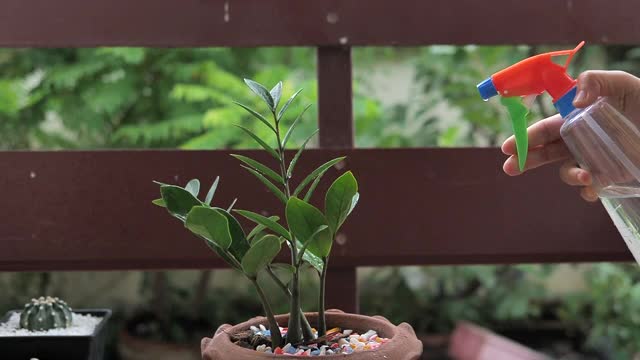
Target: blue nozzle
x,y
564,105
487,89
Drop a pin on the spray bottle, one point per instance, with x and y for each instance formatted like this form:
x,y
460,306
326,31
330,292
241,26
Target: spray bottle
x,y
601,138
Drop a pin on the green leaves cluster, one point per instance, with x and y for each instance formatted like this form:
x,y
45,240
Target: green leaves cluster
x,y
309,232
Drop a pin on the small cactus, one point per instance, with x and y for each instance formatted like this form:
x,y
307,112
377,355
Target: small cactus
x,y
45,314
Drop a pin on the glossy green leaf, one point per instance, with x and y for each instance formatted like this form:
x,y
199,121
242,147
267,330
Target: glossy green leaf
x,y
264,145
320,242
159,202
274,189
178,200
263,169
193,186
276,94
317,172
212,191
286,105
260,91
257,115
283,271
293,126
259,228
270,224
312,259
261,253
354,202
239,242
304,219
210,224
339,201
293,162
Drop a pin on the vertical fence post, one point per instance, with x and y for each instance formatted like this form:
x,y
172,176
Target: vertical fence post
x,y
335,113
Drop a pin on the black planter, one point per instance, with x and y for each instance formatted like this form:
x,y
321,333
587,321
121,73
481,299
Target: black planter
x,y
89,347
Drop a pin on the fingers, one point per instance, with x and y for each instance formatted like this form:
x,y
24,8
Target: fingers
x,y
596,83
549,153
543,132
573,175
589,194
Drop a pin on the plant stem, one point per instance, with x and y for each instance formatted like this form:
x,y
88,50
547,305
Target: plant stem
x,y
278,282
322,321
307,332
298,324
294,333
283,166
276,337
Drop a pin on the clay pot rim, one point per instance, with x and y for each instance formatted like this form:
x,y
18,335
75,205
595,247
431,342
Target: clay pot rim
x,y
382,326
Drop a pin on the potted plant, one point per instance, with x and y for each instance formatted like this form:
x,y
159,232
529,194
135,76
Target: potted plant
x,y
308,232
47,328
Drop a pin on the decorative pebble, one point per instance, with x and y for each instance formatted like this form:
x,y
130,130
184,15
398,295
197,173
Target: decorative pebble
x,y
339,342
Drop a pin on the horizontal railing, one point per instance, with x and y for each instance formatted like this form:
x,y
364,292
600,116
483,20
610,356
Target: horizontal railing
x,y
92,211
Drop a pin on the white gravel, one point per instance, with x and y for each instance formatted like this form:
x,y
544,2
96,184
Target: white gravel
x,y
82,325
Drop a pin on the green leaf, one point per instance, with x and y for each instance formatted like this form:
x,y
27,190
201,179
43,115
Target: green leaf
x,y
264,145
274,189
311,258
210,224
261,91
270,224
293,162
159,202
307,224
257,115
354,202
212,191
339,201
313,186
259,228
193,186
233,203
286,105
276,93
318,243
261,253
178,200
226,256
283,271
293,126
239,244
316,173
263,169
303,219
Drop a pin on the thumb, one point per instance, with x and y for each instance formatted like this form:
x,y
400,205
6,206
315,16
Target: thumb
x,y
593,84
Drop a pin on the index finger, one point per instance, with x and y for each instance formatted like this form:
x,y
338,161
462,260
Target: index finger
x,y
543,132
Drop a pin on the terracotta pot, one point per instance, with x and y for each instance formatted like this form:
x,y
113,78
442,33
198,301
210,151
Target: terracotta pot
x,y
403,343
134,348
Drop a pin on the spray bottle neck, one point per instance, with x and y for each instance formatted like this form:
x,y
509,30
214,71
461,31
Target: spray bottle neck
x,y
564,104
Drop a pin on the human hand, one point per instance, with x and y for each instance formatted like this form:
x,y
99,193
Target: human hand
x,y
545,144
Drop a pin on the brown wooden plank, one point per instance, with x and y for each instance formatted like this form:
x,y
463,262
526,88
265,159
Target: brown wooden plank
x,y
92,211
27,23
335,115
342,289
335,97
